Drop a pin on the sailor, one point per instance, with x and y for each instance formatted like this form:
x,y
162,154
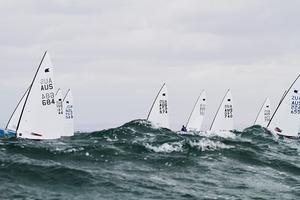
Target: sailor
x,y
183,128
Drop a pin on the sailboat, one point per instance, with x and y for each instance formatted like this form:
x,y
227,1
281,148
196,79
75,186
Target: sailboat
x,y
36,116
196,117
68,116
286,117
159,113
264,114
223,120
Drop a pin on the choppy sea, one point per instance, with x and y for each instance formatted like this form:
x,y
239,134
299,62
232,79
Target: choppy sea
x,y
139,161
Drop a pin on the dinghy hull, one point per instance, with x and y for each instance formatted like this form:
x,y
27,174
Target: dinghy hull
x,y
289,137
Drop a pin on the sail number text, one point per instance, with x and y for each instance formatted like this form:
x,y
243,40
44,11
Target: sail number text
x,y
202,109
163,106
295,105
228,111
46,85
69,112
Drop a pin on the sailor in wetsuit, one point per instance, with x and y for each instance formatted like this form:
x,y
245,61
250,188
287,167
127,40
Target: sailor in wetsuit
x,y
183,128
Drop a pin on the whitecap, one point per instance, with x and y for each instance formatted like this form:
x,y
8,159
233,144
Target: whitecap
x,y
166,147
206,144
223,134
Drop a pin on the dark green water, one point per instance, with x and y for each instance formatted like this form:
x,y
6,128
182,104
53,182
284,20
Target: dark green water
x,y
136,161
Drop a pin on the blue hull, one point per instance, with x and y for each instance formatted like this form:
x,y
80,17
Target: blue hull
x,y
7,133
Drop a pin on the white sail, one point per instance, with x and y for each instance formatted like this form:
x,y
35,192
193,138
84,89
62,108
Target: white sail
x,y
196,117
159,114
68,105
60,110
223,120
14,118
264,114
39,118
286,118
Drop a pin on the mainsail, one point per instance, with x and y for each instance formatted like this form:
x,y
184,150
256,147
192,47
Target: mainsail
x,y
264,114
223,120
68,105
60,110
196,117
159,113
286,118
39,118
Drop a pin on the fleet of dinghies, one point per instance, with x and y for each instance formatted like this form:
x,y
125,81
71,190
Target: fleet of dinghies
x,y
285,121
223,120
42,112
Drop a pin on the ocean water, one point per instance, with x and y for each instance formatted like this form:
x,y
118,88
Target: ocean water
x,y
138,161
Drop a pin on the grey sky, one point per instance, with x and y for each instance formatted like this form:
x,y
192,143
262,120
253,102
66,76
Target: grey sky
x,y
116,54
